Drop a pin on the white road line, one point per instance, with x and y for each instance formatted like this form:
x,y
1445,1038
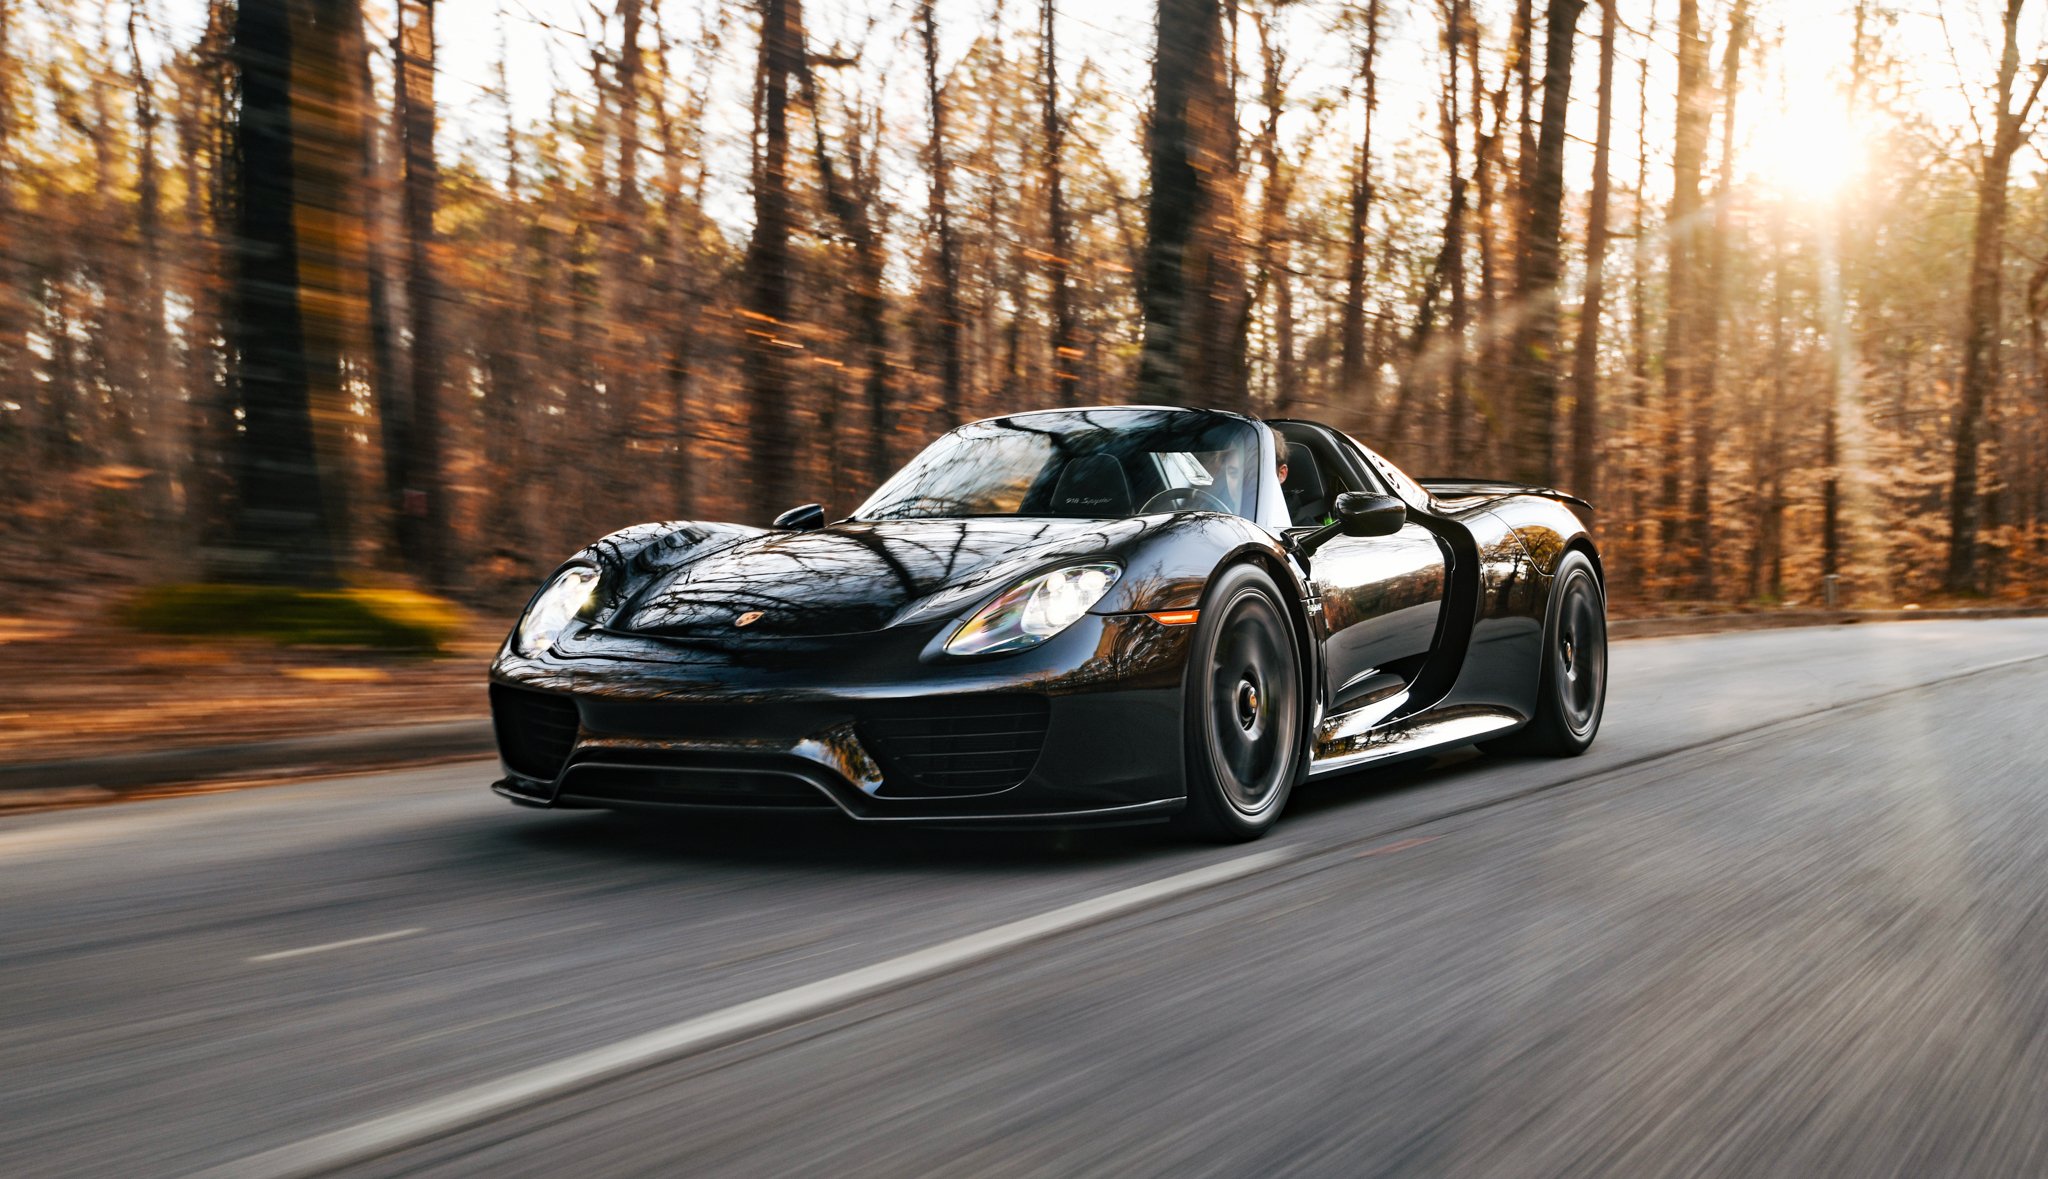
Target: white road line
x,y
466,1106
343,945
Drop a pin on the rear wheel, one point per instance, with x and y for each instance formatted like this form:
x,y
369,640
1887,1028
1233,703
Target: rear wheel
x,y
1574,687
1243,713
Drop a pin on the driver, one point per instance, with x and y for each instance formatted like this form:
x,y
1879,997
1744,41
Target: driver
x,y
1230,473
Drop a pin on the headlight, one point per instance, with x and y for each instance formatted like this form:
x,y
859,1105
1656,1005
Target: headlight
x,y
1034,611
556,607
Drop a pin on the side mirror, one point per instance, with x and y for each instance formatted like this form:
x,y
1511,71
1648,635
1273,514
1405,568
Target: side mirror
x,y
808,518
1363,514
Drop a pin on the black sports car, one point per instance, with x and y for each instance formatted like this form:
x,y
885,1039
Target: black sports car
x,y
1070,617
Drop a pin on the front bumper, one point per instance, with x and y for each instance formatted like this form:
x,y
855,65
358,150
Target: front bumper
x,y
1083,729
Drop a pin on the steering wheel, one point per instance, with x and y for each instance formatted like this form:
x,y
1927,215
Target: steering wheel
x,y
1183,499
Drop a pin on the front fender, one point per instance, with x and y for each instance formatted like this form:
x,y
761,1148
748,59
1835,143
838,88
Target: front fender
x,y
1171,564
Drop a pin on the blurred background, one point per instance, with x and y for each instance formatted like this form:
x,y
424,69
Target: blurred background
x,y
341,322
329,327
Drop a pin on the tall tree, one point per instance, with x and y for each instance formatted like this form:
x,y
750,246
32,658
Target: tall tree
x,y
1635,455
1193,280
1586,352
945,276
1845,370
1713,297
166,417
387,390
850,199
14,442
1981,313
624,355
772,424
1352,381
279,529
1681,317
1495,198
1458,429
1275,258
327,143
425,536
1066,351
1534,452
1709,306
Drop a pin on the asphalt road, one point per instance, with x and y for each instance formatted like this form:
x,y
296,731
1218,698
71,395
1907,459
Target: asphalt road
x,y
1789,917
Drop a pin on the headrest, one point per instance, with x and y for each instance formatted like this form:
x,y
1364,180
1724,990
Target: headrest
x,y
1304,478
1092,485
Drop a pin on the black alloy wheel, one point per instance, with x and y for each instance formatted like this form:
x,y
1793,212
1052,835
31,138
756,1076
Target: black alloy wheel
x,y
1574,687
1244,712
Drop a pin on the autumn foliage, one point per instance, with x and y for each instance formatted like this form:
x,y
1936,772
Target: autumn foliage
x,y
280,302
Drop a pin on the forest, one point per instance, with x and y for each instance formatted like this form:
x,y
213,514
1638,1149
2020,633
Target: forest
x,y
326,292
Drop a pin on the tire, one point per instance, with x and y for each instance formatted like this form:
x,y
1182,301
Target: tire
x,y
1573,693
1244,710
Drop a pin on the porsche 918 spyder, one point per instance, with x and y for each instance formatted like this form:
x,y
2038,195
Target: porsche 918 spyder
x,y
1068,617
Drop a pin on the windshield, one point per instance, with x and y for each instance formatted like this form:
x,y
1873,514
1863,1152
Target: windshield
x,y
1101,464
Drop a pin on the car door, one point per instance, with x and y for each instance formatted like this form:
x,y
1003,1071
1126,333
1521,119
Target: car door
x,y
1380,595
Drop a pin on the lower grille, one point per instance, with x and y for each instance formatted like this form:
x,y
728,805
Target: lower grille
x,y
535,730
962,745
691,786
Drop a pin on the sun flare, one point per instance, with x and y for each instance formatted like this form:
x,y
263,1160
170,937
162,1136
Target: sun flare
x,y
1809,154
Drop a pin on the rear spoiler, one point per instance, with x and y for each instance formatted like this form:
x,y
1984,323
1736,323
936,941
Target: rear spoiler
x,y
1459,488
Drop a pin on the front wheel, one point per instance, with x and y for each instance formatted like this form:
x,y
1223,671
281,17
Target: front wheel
x,y
1244,710
1574,666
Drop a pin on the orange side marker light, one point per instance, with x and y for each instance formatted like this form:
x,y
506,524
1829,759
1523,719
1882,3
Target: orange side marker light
x,y
1175,617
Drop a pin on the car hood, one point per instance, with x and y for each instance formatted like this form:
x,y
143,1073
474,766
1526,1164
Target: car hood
x,y
854,576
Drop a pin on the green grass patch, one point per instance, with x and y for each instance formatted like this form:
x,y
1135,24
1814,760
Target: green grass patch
x,y
385,619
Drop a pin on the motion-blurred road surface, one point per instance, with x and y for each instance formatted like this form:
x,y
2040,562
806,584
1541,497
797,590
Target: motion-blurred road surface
x,y
1789,917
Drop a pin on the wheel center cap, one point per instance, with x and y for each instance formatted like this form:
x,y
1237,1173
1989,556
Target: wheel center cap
x,y
1247,703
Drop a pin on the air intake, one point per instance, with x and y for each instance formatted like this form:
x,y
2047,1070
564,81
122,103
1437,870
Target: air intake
x,y
960,745
536,730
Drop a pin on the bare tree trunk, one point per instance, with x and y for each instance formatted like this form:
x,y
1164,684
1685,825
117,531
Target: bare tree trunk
x,y
1535,438
946,284
164,390
328,170
1980,321
425,535
1586,352
1699,508
388,390
1193,281
773,422
1681,361
1457,431
278,527
867,300
15,441
1842,375
627,74
1494,199
1767,578
1274,257
1066,351
510,358
204,120
1522,65
1353,385
680,282
1635,469
621,362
